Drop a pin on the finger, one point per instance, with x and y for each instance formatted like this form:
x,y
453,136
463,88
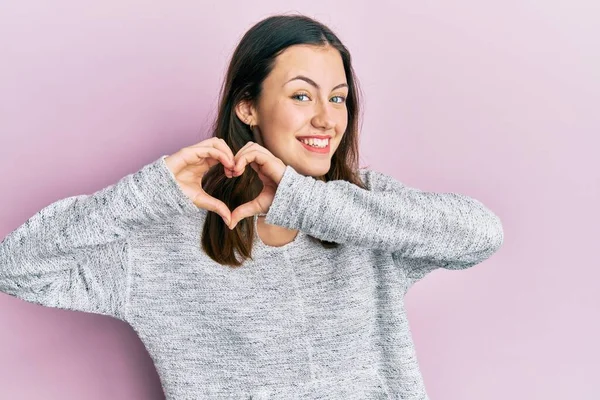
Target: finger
x,y
210,155
216,142
245,210
240,164
219,144
241,151
195,157
237,158
222,145
249,156
215,205
257,147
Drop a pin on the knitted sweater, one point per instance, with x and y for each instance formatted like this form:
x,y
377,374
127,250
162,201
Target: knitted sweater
x,y
297,322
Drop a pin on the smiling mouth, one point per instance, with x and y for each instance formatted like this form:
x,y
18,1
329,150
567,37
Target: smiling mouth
x,y
316,149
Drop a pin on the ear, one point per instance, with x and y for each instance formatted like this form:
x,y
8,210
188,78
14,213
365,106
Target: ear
x,y
246,112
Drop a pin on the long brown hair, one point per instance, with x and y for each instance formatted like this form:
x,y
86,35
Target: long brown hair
x,y
251,63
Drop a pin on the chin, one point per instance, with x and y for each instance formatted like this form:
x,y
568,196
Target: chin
x,y
314,172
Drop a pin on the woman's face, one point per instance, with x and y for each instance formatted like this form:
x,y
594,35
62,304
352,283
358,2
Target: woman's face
x,y
304,95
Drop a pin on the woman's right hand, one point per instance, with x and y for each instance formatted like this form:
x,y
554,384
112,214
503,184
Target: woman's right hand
x,y
190,164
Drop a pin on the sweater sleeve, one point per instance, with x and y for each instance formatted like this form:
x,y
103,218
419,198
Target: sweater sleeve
x,y
73,254
423,230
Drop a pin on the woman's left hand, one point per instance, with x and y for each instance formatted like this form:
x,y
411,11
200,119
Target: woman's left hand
x,y
270,170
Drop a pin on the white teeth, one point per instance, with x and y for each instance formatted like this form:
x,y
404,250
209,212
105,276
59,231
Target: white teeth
x,y
321,143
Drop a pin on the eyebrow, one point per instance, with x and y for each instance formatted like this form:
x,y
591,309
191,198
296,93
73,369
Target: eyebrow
x,y
313,83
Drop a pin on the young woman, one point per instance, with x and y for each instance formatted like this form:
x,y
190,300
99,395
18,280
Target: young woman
x,y
262,262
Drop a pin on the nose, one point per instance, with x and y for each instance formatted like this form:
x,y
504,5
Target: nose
x,y
323,118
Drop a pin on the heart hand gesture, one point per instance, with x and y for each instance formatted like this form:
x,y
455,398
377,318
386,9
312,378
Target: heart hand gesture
x,y
270,170
190,164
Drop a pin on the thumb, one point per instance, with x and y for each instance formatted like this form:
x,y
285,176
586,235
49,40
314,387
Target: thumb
x,y
245,210
217,206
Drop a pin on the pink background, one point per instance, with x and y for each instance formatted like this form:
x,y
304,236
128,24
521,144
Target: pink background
x,y
497,100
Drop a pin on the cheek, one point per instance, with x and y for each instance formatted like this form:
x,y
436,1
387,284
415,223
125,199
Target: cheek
x,y
341,122
282,115
294,117
287,120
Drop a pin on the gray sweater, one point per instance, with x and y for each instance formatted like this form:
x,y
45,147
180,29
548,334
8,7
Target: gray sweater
x,y
297,322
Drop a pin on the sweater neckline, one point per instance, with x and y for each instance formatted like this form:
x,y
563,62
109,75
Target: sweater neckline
x,y
260,246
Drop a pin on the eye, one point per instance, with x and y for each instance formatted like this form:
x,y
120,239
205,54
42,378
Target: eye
x,y
300,95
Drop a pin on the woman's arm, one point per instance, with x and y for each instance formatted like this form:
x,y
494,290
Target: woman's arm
x,y
73,254
429,229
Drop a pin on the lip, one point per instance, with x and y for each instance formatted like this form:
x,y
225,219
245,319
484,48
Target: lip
x,y
324,150
314,137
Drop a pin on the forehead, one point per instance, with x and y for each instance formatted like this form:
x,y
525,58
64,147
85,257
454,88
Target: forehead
x,y
321,63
